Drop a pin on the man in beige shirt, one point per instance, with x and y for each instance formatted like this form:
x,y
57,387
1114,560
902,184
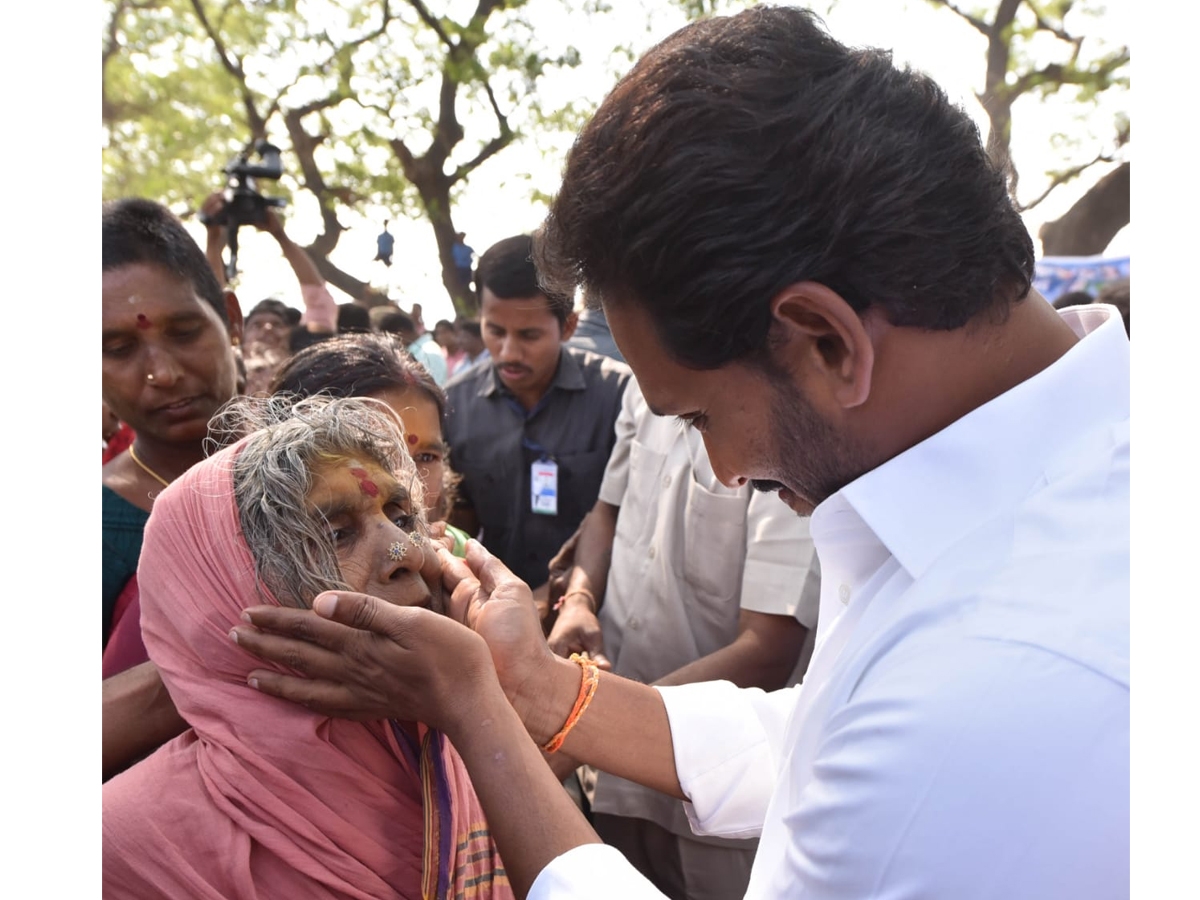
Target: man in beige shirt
x,y
705,583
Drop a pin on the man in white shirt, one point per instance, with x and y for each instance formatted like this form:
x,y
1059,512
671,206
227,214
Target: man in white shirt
x,y
806,253
677,578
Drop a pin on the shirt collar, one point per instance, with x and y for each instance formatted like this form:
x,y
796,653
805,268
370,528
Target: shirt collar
x,y
922,501
568,376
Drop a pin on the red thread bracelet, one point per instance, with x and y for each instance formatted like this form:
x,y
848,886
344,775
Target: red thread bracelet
x,y
583,592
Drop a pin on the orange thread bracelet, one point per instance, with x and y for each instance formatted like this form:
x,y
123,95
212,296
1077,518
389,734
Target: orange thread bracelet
x,y
589,681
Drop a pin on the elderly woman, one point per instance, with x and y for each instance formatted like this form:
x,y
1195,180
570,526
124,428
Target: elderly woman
x,y
260,797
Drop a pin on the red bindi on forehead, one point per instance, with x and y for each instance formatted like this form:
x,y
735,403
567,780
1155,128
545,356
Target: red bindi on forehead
x,y
365,484
143,322
412,439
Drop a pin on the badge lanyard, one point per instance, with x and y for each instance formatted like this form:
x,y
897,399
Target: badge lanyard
x,y
543,473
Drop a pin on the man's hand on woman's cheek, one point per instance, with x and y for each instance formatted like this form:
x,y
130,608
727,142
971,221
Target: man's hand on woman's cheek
x,y
358,657
497,605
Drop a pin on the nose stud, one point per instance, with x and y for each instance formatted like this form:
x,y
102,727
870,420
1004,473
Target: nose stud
x,y
416,538
397,551
149,376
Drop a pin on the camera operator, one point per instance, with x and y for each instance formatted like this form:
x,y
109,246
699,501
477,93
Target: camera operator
x,y
267,341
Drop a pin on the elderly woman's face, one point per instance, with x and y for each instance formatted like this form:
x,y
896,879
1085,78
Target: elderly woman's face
x,y
374,527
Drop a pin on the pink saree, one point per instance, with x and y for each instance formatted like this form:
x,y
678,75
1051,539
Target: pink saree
x,y
262,798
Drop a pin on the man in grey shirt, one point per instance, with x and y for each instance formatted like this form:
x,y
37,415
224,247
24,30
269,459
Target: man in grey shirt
x,y
531,430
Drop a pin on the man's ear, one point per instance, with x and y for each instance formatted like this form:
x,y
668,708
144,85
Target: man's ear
x,y
827,338
233,310
568,327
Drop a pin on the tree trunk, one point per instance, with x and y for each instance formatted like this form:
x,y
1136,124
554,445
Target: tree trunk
x,y
1088,226
434,190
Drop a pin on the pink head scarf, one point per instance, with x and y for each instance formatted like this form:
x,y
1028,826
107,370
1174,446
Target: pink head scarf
x,y
262,798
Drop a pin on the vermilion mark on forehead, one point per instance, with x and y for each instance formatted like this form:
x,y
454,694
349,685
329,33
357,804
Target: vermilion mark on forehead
x,y
365,484
142,321
412,439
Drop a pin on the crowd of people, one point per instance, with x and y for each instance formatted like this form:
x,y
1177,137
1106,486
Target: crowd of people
x,y
793,564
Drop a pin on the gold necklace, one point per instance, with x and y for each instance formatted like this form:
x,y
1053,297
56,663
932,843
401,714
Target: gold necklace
x,y
145,468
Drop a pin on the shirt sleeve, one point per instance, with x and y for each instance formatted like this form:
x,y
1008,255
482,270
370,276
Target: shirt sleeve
x,y
319,307
781,575
592,872
728,742
616,474
432,359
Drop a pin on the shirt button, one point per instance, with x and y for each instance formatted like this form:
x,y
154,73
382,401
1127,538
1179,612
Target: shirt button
x,y
635,623
844,593
667,481
653,553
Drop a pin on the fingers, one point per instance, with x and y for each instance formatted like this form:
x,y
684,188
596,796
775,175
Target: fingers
x,y
593,646
367,613
323,697
454,570
300,656
439,535
431,568
301,624
488,569
562,641
466,596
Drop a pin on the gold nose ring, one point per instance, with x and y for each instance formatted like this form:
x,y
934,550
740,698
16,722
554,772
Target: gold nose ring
x,y
397,551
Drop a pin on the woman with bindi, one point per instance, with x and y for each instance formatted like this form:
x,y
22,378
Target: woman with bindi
x,y
351,365
260,798
377,365
167,365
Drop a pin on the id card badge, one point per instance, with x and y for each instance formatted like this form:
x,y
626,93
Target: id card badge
x,y
543,482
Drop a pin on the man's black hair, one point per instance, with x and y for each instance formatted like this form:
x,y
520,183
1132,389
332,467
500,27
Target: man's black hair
x,y
506,269
142,231
287,314
353,318
747,153
397,323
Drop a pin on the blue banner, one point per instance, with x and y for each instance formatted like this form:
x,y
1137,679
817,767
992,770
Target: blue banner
x,y
1057,275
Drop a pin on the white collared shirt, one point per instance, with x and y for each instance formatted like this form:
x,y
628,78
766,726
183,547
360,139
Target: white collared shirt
x,y
963,731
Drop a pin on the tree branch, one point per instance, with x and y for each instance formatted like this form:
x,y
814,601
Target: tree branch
x,y
1060,74
1063,177
1058,32
303,145
407,160
1006,12
371,35
501,119
494,146
258,125
430,20
978,24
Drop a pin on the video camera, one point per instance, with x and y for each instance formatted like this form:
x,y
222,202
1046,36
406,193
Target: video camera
x,y
244,205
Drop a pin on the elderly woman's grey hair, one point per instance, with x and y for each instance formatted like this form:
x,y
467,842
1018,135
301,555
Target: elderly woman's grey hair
x,y
292,545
